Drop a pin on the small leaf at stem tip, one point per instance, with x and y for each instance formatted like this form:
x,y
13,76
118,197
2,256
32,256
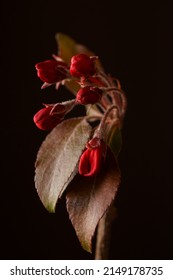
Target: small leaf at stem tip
x,y
67,47
57,159
88,198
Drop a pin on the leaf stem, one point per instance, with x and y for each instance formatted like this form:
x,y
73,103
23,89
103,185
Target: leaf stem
x,y
104,234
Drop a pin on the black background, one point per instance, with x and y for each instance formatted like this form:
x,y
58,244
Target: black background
x,y
133,41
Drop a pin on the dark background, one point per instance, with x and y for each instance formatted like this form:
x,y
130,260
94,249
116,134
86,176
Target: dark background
x,y
133,41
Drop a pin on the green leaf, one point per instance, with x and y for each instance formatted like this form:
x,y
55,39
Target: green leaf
x,y
114,140
57,159
88,198
66,47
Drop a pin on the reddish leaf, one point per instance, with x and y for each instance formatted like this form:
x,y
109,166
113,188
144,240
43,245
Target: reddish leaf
x,y
57,159
89,197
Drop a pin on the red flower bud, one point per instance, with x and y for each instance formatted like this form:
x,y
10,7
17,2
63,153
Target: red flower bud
x,y
82,66
51,71
89,95
45,120
90,161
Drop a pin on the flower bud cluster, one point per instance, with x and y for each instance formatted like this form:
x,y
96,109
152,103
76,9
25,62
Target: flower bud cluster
x,y
56,71
95,88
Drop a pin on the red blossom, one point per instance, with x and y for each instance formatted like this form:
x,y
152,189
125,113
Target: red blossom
x,y
90,161
51,71
44,120
82,66
89,95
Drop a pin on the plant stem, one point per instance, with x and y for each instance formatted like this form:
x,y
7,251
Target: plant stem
x,y
102,126
104,234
